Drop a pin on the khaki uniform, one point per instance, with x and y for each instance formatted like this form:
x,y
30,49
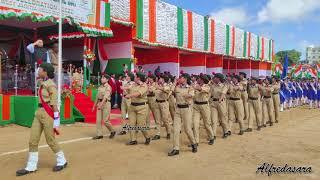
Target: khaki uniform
x,y
54,60
151,102
103,114
218,109
162,109
267,104
235,106
254,105
172,102
276,100
244,97
201,110
138,110
183,115
76,81
125,103
42,121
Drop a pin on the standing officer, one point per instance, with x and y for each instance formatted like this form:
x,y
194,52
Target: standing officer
x,y
46,120
267,103
254,104
151,82
162,92
276,97
235,105
138,109
218,105
103,105
201,108
244,94
184,94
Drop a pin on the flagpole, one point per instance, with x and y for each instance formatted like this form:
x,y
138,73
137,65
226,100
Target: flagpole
x,y
60,54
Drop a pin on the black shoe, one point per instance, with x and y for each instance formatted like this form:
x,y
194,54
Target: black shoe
x,y
156,137
271,123
173,153
97,137
264,125
148,140
59,168
277,121
229,133
132,143
259,128
211,141
23,172
190,145
168,136
194,148
225,135
241,132
112,134
249,130
122,133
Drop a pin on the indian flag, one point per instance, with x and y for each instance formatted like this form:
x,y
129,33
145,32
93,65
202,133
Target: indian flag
x,y
278,70
102,18
298,71
312,73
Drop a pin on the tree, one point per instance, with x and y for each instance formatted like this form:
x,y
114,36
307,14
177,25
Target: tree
x,y
293,56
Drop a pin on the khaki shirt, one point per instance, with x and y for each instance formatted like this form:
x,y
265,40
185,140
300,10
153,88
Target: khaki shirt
x,y
202,95
163,94
276,87
235,90
152,88
254,91
267,90
49,92
104,92
142,90
126,84
181,92
244,84
217,90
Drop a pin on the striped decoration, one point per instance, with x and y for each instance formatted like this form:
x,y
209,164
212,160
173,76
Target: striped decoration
x,y
190,30
212,35
206,33
102,13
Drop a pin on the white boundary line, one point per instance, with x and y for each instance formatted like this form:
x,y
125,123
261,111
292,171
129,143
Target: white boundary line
x,y
45,146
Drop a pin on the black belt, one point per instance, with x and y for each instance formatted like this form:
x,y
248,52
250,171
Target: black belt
x,y
152,95
183,106
201,103
275,93
100,100
234,99
214,99
138,104
266,97
160,101
252,98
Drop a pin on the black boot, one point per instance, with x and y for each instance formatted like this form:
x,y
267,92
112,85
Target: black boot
x,y
59,168
168,136
211,141
271,123
112,134
122,133
132,143
241,132
249,130
225,135
156,137
194,148
23,172
259,128
147,141
277,121
190,145
173,153
97,137
264,125
229,133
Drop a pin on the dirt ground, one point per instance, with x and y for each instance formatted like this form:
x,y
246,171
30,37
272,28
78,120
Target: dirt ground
x,y
295,141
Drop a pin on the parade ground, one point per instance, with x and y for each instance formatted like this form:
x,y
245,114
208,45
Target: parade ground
x,y
293,141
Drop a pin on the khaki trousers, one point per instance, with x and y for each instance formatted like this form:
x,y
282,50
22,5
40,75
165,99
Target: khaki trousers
x,y
103,115
162,114
172,106
244,97
42,122
267,111
276,104
182,116
137,118
202,112
254,112
236,113
151,108
219,114
125,104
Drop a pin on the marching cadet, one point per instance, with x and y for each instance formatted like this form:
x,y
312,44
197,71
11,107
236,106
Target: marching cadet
x,y
151,82
46,120
235,105
138,109
162,92
244,94
254,104
184,95
276,97
103,106
267,103
218,105
201,108
172,100
125,103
